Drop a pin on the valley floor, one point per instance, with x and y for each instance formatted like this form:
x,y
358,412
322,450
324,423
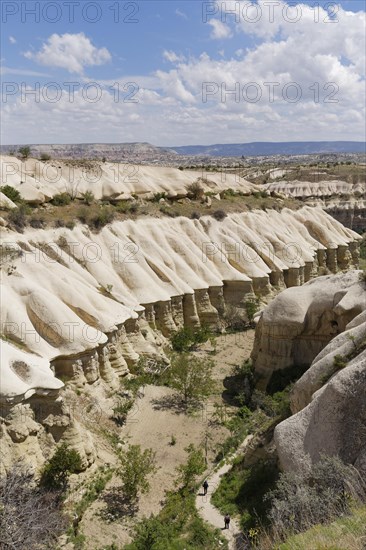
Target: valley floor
x,y
152,423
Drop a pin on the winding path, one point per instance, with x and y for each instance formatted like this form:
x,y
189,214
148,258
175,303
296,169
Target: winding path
x,y
208,512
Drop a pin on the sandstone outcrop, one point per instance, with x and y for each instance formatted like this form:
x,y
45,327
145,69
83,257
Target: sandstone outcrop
x,y
323,325
300,322
345,201
86,307
38,181
333,422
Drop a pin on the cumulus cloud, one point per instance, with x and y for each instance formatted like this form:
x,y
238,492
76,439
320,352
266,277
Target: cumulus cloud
x,y
12,40
219,29
325,60
72,52
172,57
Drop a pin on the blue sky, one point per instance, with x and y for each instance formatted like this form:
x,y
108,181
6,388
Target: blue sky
x,y
171,50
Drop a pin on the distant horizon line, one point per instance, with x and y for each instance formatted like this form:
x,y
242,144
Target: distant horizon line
x,y
186,145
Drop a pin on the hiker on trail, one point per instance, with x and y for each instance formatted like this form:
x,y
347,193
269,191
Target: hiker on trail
x,y
227,521
205,487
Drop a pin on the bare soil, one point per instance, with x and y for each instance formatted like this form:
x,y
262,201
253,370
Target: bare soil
x,y
151,424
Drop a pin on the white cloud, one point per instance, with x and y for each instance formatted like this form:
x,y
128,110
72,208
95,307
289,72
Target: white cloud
x,y
171,110
72,52
12,40
181,14
172,57
219,29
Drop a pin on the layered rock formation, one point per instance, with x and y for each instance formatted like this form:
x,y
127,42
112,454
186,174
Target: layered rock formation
x,y
345,201
300,322
38,182
85,307
331,401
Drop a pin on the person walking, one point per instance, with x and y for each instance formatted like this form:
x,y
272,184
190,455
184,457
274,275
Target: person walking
x,y
227,521
205,487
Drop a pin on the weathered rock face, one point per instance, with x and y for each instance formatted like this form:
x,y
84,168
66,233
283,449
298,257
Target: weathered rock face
x,y
329,400
301,321
86,307
334,421
345,201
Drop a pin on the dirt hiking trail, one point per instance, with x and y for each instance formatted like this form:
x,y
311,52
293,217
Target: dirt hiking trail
x,y
207,510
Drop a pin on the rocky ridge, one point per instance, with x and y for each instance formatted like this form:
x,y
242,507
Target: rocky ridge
x,y
321,325
86,307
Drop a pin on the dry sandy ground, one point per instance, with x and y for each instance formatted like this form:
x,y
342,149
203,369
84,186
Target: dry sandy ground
x,y
151,425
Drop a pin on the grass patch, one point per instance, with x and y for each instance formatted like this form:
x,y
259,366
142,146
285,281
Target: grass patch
x,y
177,527
344,533
242,492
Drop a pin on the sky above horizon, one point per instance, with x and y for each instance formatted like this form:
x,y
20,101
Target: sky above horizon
x,y
182,72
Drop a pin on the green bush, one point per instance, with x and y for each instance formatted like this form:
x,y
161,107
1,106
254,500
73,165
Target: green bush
x,y
195,190
62,199
187,338
11,193
158,196
120,411
195,216
219,215
37,223
88,197
195,466
18,217
251,307
104,216
45,156
24,151
55,472
83,214
363,248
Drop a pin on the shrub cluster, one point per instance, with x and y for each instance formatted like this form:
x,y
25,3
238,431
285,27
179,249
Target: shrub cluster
x,y
10,192
320,495
187,338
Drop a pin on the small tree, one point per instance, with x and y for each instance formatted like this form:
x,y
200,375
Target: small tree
x,y
191,377
45,156
251,307
194,467
56,471
24,151
136,466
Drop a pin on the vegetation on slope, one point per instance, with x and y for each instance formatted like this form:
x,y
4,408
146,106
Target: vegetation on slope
x,y
348,532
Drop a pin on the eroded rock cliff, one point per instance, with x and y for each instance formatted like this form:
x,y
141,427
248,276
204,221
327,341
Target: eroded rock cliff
x,y
84,307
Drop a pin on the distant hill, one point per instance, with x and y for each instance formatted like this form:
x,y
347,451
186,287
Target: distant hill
x,y
112,151
145,153
268,148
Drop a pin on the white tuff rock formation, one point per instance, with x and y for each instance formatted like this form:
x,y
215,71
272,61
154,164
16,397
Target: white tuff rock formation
x,y
90,305
325,318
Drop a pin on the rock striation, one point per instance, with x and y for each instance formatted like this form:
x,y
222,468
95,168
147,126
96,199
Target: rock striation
x,y
38,182
323,325
300,322
343,200
332,419
86,307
